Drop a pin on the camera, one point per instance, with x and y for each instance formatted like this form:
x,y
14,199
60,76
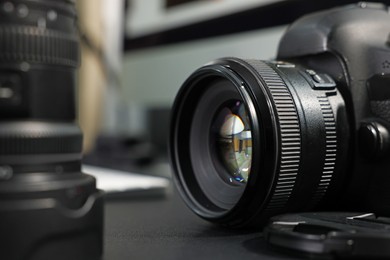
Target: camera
x,y
49,209
308,131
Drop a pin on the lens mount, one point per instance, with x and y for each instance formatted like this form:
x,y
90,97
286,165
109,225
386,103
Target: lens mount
x,y
295,138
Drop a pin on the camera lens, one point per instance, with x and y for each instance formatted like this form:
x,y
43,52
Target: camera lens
x,y
251,139
48,207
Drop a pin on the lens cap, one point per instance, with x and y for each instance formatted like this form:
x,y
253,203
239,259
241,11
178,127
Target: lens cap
x,y
340,234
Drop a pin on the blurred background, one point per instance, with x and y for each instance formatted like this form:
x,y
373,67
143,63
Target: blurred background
x,y
137,53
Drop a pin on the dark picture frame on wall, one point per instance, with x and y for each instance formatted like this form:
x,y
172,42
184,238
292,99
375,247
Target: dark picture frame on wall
x,y
276,13
171,3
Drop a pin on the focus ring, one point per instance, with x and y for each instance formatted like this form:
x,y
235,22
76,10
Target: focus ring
x,y
40,145
20,138
329,166
32,44
290,135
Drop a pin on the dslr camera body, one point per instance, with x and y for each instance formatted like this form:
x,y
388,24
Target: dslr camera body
x,y
309,131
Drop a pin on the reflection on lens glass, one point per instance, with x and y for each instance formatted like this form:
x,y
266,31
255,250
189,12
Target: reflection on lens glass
x,y
233,136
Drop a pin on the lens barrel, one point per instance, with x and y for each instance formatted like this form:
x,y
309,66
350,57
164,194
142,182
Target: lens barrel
x,y
298,124
48,208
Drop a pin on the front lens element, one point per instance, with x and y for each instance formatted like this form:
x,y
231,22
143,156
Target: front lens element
x,y
232,133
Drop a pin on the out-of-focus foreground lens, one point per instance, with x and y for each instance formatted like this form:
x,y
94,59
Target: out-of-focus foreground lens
x,y
252,139
233,135
49,209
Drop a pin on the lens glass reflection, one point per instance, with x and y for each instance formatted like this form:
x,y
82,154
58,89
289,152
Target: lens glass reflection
x,y
233,140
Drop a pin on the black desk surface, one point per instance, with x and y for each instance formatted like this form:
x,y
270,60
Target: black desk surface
x,y
164,228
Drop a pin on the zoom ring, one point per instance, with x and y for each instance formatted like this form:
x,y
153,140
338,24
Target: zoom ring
x,y
31,44
290,135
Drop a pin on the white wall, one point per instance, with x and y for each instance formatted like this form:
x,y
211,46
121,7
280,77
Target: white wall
x,y
150,16
152,77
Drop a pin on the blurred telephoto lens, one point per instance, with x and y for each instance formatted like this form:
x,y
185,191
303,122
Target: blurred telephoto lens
x,y
48,208
251,139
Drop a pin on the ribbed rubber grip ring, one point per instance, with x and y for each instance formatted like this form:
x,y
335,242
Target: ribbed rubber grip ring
x,y
22,138
32,44
290,134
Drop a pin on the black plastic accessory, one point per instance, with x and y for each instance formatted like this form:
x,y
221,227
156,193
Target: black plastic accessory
x,y
340,234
